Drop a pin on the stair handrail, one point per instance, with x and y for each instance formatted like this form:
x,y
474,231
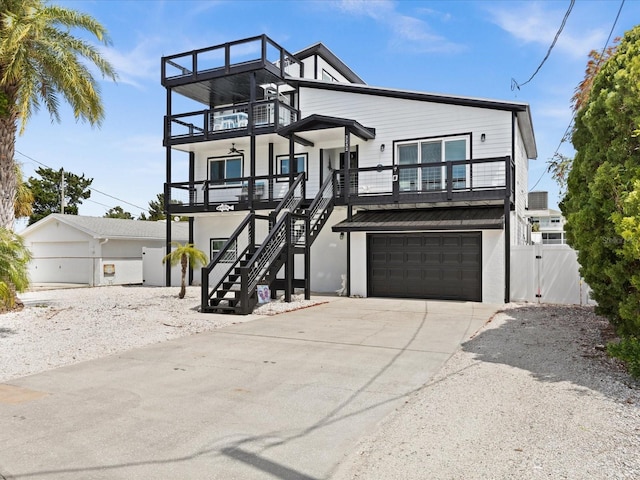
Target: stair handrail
x,y
206,292
321,200
290,201
257,266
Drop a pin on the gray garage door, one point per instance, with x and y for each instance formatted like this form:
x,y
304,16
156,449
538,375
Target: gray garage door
x,y
445,266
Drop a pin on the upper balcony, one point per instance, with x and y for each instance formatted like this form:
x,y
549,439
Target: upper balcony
x,y
203,75
242,84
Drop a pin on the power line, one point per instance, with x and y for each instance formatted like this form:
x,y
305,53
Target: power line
x,y
515,84
90,188
573,116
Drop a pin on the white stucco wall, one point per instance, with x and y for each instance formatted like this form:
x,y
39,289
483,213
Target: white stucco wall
x,y
359,264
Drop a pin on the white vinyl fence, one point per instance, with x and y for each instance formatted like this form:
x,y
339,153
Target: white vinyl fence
x,y
547,274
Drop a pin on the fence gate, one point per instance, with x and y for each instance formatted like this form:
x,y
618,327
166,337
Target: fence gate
x,y
547,274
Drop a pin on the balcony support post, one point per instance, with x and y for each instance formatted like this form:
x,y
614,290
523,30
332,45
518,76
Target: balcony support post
x,y
289,267
292,146
271,163
347,164
449,173
167,193
252,169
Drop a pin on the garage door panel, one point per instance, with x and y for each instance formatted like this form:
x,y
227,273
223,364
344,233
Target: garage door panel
x,y
413,257
426,265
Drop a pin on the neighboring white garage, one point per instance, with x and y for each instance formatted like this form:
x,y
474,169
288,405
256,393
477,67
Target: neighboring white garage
x,y
93,250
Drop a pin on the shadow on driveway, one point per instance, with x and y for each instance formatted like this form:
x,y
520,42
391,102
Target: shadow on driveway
x,y
551,342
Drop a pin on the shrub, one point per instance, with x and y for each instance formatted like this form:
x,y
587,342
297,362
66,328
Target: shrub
x,y
627,350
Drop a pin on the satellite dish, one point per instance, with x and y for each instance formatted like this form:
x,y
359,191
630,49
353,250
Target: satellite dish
x,y
176,219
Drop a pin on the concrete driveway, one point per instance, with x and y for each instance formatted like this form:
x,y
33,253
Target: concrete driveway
x,y
283,397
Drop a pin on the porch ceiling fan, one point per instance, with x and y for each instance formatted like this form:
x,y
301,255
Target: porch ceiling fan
x,y
233,149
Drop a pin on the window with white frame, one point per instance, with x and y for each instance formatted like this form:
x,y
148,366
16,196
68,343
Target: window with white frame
x,y
222,168
218,244
432,151
283,165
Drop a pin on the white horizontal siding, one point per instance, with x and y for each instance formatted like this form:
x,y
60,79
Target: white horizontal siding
x,y
401,119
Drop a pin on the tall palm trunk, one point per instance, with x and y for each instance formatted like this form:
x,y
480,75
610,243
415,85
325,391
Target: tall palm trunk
x,y
8,131
183,285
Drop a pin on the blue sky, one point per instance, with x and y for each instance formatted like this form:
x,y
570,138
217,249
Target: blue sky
x,y
469,48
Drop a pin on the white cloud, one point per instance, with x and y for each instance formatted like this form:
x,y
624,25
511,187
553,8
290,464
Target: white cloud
x,y
137,65
409,34
532,22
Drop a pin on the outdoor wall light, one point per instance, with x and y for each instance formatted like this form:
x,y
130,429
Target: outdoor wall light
x,y
341,235
483,137
382,147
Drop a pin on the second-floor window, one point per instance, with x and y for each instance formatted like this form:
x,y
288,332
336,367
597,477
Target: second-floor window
x,y
432,152
284,165
221,169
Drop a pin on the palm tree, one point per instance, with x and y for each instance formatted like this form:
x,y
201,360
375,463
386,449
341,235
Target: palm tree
x,y
24,196
40,61
14,259
186,254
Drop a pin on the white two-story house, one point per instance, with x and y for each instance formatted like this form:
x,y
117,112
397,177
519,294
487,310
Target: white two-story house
x,y
297,175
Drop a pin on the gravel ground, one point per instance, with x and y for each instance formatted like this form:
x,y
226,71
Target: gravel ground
x,y
66,326
531,396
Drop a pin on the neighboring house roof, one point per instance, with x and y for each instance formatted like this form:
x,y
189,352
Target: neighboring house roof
x,y
547,212
520,109
333,60
116,228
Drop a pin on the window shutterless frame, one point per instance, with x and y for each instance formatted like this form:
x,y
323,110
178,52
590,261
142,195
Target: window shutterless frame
x,y
432,153
222,168
283,165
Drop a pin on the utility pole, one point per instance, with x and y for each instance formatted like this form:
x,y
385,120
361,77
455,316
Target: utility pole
x,y
62,191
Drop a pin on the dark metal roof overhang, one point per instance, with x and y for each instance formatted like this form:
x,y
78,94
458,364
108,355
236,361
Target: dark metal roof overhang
x,y
321,122
471,218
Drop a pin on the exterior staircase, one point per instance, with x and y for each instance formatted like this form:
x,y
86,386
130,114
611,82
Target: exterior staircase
x,y
230,280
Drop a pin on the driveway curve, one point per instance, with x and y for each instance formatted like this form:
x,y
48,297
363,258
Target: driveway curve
x,y
283,397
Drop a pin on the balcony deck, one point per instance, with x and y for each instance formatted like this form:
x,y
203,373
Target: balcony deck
x,y
468,182
263,116
202,74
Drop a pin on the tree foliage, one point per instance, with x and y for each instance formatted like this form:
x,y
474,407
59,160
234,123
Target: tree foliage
x,y
47,192
42,62
187,255
118,212
560,164
602,203
156,208
14,260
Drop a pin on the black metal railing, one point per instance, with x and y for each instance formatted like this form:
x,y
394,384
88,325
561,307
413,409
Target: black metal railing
x,y
240,118
237,253
443,181
468,180
223,58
